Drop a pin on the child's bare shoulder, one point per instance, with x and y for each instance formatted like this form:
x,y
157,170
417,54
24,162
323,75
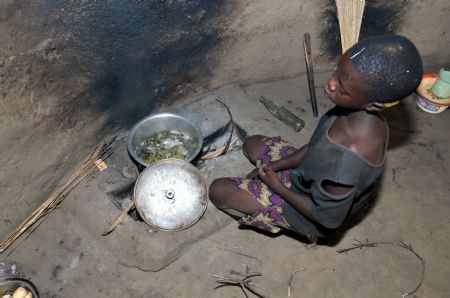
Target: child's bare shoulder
x,y
367,137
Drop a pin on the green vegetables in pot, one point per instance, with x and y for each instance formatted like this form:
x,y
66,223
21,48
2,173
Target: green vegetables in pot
x,y
164,145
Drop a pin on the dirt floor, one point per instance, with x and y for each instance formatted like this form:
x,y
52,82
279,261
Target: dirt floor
x,y
67,257
54,107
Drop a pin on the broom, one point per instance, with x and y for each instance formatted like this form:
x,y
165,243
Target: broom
x,y
349,13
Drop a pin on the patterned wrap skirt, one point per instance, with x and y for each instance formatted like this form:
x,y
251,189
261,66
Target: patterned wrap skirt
x,y
270,217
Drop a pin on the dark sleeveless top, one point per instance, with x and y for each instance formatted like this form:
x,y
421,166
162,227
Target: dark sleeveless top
x,y
328,160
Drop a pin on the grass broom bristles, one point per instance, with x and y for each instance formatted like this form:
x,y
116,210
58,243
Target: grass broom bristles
x,y
350,13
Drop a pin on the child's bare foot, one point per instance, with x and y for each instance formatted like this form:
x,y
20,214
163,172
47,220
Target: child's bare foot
x,y
311,241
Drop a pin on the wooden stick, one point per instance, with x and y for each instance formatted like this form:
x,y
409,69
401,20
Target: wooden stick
x,y
56,198
310,72
218,151
119,218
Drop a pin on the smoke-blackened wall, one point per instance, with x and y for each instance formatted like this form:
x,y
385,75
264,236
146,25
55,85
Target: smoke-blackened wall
x,y
142,51
379,17
71,71
136,51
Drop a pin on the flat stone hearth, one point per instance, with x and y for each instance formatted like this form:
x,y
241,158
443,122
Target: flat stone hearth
x,y
135,243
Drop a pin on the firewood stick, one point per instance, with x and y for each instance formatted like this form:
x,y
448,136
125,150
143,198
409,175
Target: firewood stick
x,y
310,72
119,218
218,151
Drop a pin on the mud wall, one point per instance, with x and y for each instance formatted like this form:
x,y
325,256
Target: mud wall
x,y
73,71
265,37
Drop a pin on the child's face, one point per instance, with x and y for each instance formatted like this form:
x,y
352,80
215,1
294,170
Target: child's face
x,y
345,87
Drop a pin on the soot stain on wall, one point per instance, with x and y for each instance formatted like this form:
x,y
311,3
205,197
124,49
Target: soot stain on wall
x,y
380,17
141,52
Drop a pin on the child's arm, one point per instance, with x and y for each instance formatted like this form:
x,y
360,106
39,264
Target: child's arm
x,y
302,203
322,213
288,162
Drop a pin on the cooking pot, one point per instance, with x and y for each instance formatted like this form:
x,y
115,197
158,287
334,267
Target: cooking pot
x,y
171,195
9,285
160,123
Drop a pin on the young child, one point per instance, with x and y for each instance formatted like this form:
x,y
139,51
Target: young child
x,y
312,190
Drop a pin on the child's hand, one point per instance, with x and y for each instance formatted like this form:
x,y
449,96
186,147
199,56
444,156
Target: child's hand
x,y
253,174
268,176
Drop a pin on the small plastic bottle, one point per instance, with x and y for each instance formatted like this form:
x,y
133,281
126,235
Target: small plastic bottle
x,y
441,87
283,114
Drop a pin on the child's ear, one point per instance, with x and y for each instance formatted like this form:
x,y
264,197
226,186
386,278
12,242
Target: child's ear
x,y
374,106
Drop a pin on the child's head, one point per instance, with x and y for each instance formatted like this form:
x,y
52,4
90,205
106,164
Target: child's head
x,y
376,70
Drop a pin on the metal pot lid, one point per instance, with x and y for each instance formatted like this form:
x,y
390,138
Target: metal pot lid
x,y
171,194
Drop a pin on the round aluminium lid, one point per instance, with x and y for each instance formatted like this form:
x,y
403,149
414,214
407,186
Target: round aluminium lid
x,y
171,194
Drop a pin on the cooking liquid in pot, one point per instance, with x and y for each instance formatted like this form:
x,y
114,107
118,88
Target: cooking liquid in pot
x,y
166,144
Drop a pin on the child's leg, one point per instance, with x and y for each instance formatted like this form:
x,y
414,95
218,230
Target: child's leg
x,y
265,150
227,196
253,145
250,199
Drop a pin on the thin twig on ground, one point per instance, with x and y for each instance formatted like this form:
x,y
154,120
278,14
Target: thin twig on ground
x,y
366,243
227,145
291,279
244,281
240,253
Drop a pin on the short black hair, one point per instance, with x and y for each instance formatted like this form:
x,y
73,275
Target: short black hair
x,y
390,64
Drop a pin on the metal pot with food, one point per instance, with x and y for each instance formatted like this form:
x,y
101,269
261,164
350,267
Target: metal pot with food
x,y
164,136
170,194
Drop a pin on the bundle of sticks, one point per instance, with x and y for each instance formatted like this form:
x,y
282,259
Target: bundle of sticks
x,y
56,197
